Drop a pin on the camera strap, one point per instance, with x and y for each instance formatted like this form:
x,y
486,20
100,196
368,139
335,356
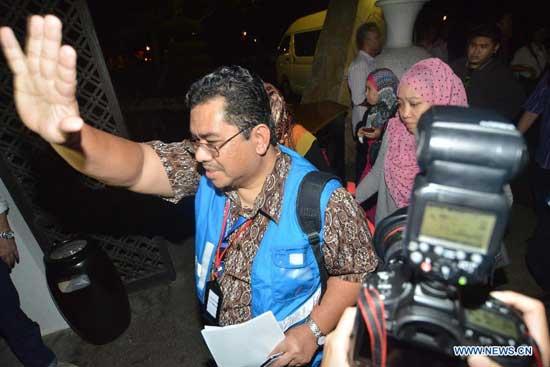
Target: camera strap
x,y
308,209
372,310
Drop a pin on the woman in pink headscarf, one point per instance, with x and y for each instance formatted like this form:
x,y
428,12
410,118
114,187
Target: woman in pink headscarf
x,y
427,83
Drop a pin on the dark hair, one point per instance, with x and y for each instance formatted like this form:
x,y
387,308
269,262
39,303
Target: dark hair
x,y
362,31
246,101
485,30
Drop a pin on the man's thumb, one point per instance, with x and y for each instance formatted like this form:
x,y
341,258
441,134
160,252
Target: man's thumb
x,y
71,124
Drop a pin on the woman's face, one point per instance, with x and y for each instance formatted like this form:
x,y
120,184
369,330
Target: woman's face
x,y
411,106
371,93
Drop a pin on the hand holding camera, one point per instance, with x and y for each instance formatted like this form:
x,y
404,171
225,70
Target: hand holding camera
x,y
338,342
534,316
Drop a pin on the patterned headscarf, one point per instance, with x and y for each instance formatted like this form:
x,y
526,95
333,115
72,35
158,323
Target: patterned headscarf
x,y
281,116
436,83
384,78
386,84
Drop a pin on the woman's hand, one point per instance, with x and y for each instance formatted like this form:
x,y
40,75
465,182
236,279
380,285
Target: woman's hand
x,y
369,133
338,341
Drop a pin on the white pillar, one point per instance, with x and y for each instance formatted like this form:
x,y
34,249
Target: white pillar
x,y
399,54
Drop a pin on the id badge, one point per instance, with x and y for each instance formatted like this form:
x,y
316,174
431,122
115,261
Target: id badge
x,y
212,303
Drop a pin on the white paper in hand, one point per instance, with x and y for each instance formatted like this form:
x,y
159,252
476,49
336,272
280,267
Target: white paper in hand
x,y
244,345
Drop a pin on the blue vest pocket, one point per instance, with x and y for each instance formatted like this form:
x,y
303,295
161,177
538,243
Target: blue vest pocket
x,y
294,273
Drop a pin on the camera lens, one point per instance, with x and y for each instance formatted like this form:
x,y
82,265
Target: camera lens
x,y
388,236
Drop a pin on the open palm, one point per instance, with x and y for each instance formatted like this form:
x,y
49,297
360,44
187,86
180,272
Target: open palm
x,y
44,79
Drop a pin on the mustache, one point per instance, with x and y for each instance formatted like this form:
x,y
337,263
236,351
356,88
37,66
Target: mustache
x,y
210,167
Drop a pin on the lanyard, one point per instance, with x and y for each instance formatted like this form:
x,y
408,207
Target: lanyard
x,y
220,253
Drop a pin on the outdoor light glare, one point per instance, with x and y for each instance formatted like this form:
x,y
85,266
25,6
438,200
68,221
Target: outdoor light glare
x,y
444,18
244,33
255,40
147,48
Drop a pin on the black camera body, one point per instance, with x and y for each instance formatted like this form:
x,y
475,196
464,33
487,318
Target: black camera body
x,y
437,254
432,317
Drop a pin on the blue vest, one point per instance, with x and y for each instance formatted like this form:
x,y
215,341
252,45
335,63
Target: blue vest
x,y
285,276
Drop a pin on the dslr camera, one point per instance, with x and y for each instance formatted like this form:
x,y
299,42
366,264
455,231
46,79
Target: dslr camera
x,y
438,255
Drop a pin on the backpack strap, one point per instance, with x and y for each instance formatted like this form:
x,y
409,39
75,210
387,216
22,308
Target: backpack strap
x,y
308,209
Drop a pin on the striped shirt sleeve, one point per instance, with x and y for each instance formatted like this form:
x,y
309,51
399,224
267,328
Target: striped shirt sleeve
x,y
537,101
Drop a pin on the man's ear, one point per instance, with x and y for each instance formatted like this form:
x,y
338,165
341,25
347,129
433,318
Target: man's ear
x,y
261,135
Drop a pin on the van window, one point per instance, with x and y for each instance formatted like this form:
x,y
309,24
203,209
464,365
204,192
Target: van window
x,y
284,46
305,43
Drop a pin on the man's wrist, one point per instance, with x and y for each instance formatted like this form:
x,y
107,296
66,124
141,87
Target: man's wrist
x,y
315,330
7,235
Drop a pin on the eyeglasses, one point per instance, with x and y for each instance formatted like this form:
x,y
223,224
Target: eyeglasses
x,y
212,149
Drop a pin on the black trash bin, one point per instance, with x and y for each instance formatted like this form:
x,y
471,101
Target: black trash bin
x,y
88,290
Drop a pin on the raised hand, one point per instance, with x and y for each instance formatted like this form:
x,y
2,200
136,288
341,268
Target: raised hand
x,y
44,79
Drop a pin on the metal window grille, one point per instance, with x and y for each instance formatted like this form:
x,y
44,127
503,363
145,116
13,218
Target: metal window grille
x,y
140,260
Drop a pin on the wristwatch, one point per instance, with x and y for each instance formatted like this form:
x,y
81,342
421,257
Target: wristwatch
x,y
7,235
316,331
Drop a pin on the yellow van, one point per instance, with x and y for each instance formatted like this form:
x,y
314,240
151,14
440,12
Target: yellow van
x,y
295,52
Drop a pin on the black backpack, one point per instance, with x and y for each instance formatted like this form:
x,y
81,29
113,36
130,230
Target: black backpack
x,y
308,210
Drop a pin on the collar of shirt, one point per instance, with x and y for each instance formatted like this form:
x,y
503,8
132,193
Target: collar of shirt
x,y
368,57
538,48
270,198
481,67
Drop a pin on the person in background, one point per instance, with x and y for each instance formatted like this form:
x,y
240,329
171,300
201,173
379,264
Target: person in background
x,y
428,82
292,134
431,37
369,44
505,26
537,108
530,61
489,83
533,312
381,96
21,333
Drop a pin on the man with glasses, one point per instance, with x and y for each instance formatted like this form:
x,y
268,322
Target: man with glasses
x,y
251,254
